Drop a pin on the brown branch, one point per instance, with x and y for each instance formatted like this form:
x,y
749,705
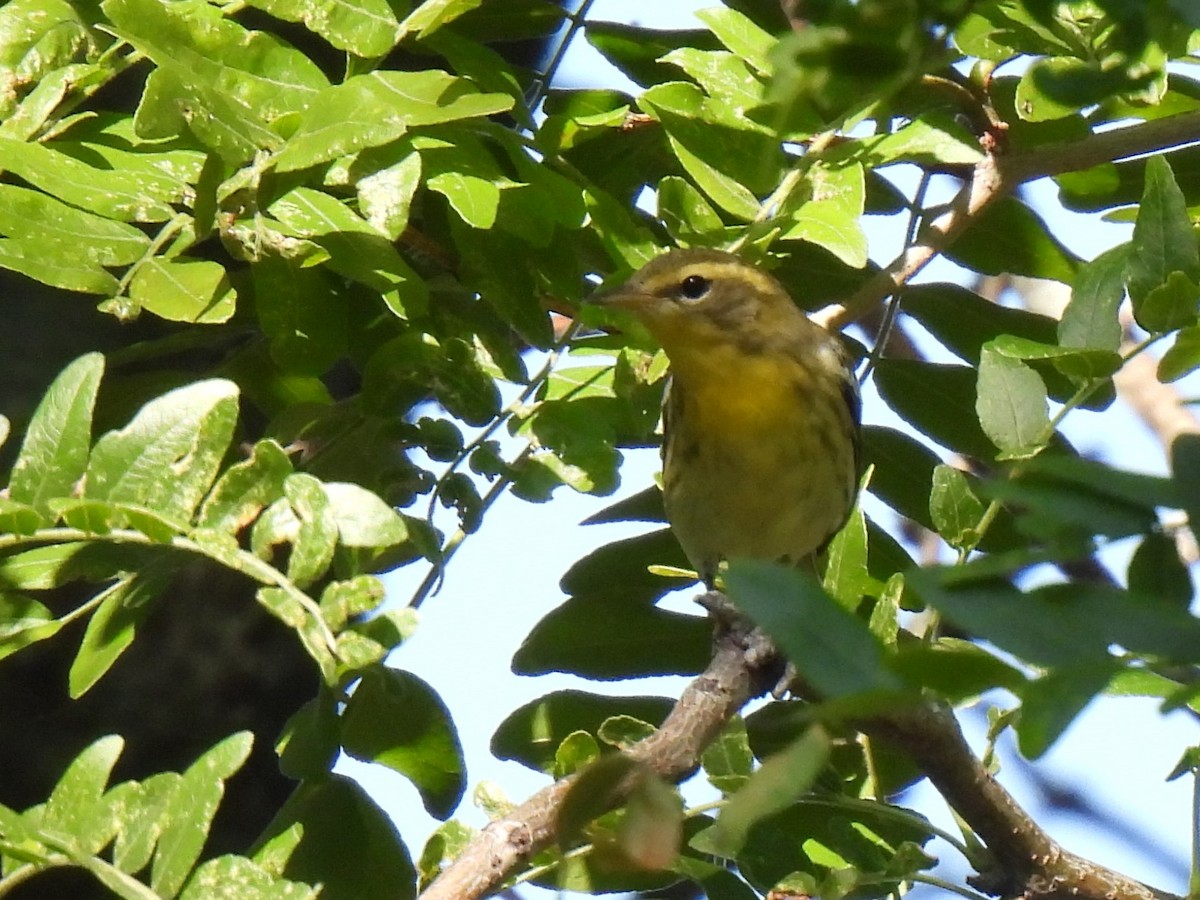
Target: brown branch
x,y
995,176
1151,136
986,184
1030,863
740,669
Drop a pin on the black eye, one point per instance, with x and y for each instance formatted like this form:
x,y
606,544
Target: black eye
x,y
694,287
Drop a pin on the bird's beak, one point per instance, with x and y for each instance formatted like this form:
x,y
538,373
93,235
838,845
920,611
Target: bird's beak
x,y
621,296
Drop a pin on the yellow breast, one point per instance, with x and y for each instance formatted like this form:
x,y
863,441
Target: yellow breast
x,y
759,459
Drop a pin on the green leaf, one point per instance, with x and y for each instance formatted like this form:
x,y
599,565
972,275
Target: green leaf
x,y
532,733
343,601
1060,86
1090,319
43,568
363,520
723,76
375,109
362,27
118,194
830,217
739,33
596,791
826,843
308,744
347,844
1182,357
1011,405
779,781
846,577
141,810
1052,702
1059,509
1157,571
385,197
1147,492
1173,304
931,138
512,20
1077,362
76,807
241,877
184,290
397,720
1185,467
1010,238
997,31
620,570
23,621
65,231
186,830
244,490
955,510
27,30
165,459
54,453
1163,243
222,82
937,400
29,257
684,210
965,321
728,761
829,646
303,313
429,17
356,249
1078,622
636,50
713,146
112,626
577,750
613,638
957,670
651,830
316,537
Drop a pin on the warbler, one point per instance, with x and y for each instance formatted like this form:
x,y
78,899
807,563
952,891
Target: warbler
x,y
761,418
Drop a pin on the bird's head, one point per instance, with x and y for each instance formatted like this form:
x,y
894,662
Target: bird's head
x,y
688,299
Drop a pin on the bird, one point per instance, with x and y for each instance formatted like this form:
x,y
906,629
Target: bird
x,y
762,413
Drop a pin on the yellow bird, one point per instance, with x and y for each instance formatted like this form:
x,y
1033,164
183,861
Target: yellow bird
x,y
760,457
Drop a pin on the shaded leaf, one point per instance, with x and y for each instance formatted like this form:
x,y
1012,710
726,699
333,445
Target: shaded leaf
x,y
532,733
612,638
348,845
830,647
781,780
396,719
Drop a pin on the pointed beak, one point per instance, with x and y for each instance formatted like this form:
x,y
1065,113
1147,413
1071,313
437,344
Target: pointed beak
x,y
622,296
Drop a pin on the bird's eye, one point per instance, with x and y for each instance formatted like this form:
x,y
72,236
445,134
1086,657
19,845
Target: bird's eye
x,y
694,287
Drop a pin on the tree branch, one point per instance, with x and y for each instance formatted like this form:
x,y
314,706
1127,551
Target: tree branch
x,y
998,174
1029,862
740,669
